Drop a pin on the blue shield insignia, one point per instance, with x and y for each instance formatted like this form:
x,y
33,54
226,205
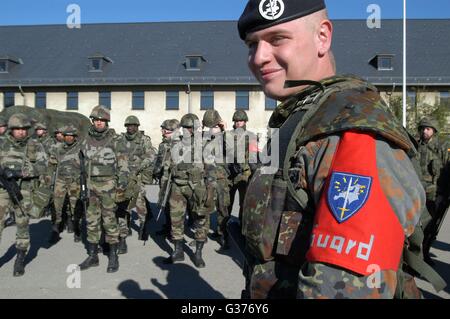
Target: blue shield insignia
x,y
347,193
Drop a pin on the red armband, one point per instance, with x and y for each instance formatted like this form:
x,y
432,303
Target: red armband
x,y
355,227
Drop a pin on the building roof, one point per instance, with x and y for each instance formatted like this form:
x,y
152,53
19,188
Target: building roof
x,y
155,53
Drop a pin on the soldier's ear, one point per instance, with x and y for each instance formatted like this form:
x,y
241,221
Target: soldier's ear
x,y
324,37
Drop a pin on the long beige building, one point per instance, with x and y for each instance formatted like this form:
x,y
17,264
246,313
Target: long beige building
x,y
158,71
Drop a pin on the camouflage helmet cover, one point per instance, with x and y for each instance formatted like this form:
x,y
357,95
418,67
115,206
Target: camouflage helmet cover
x,y
3,121
70,130
40,126
132,120
170,125
19,120
428,122
240,115
100,112
211,118
188,120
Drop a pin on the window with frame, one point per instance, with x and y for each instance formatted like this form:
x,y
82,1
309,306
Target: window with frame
x,y
3,66
138,102
72,100
207,100
444,98
8,99
104,99
242,100
172,100
385,63
40,100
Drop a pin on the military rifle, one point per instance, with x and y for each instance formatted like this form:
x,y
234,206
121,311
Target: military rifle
x,y
162,205
9,183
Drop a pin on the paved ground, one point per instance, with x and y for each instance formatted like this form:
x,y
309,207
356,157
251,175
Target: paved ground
x,y
142,272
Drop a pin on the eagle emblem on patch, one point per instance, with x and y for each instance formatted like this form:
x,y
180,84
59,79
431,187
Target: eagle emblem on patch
x,y
347,194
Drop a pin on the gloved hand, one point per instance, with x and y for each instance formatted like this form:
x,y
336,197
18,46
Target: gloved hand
x,y
120,195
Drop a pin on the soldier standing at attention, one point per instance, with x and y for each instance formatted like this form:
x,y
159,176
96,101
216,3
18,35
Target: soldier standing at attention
x,y
217,172
136,148
245,147
169,129
188,191
67,179
433,156
316,221
107,177
25,161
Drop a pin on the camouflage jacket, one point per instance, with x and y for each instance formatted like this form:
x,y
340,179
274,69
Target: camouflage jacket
x,y
214,156
139,153
433,156
162,158
102,157
285,211
67,161
244,149
27,157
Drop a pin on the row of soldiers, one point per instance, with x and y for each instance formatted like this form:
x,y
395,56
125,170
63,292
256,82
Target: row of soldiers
x,y
49,172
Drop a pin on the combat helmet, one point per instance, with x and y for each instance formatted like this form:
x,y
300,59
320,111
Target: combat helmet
x,y
70,130
428,122
132,120
240,115
170,125
19,120
188,120
100,112
211,118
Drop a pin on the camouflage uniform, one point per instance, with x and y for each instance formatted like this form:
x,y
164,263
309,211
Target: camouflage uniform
x,y
433,155
217,173
67,178
137,149
107,175
241,168
27,160
160,171
188,190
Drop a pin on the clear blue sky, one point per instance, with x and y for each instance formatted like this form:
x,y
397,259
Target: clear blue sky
x,y
19,12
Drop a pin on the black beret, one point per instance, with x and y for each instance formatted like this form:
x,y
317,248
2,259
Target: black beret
x,y
262,14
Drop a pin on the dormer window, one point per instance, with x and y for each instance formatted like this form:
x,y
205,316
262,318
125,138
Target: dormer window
x,y
7,62
194,62
383,62
98,63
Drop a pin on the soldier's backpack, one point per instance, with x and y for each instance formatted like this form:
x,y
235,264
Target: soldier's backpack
x,y
272,225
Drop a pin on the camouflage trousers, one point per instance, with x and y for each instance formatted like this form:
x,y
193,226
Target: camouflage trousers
x,y
22,219
142,209
182,198
71,188
222,201
102,210
240,187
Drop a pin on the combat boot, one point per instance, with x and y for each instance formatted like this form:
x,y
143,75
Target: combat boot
x,y
198,260
54,236
70,227
178,253
19,264
123,249
224,242
92,260
113,259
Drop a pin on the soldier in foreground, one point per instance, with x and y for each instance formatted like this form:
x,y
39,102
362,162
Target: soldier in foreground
x,y
136,148
107,176
169,130
334,193
23,160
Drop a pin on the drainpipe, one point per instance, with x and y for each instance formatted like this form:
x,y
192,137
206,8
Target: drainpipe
x,y
188,91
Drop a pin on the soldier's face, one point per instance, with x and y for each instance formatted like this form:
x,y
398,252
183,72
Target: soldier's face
x,y
99,125
427,133
69,139
40,132
288,51
131,129
166,133
239,124
59,137
3,129
19,133
215,130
